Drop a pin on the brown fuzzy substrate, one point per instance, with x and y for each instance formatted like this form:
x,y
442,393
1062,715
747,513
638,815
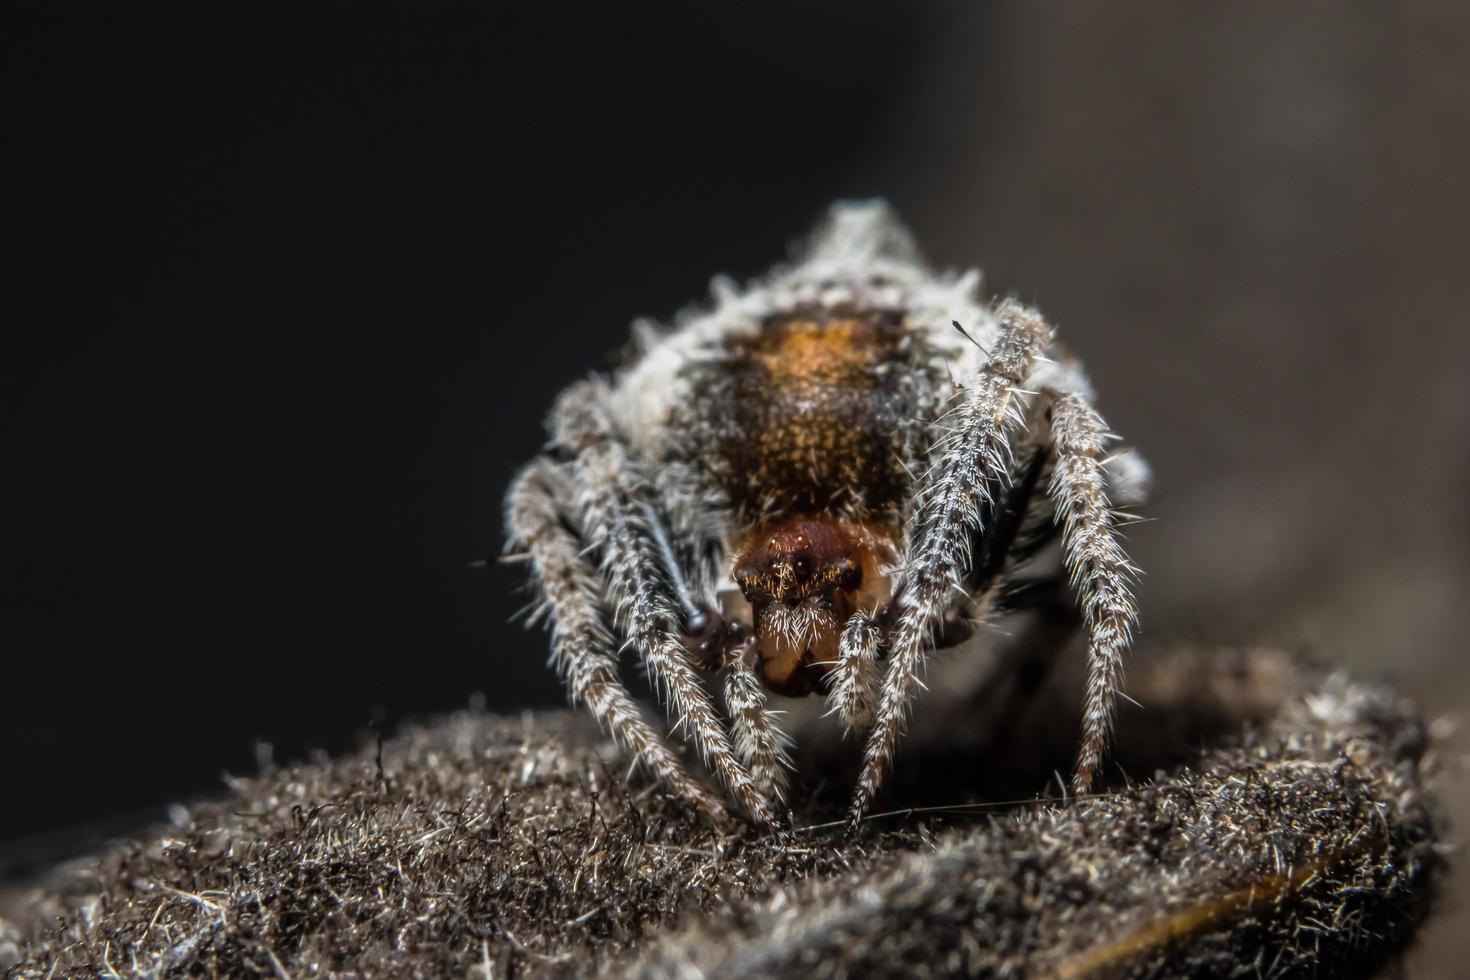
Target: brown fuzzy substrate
x,y
491,846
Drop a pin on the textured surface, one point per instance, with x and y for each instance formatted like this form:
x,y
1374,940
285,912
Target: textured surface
x,y
495,846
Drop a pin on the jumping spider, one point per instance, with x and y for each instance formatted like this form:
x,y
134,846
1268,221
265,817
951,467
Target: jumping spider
x,y
809,487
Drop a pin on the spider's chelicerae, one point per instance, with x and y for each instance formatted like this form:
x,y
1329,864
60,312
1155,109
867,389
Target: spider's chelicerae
x,y
810,486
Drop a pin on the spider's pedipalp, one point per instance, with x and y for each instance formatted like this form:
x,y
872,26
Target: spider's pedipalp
x,y
968,462
763,746
612,502
1099,570
854,682
539,508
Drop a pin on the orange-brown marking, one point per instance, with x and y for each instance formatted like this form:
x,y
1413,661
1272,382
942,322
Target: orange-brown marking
x,y
808,422
834,352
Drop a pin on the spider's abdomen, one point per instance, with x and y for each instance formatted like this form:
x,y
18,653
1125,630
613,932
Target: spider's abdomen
x,y
814,413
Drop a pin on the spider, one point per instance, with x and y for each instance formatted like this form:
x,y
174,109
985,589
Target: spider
x,y
808,487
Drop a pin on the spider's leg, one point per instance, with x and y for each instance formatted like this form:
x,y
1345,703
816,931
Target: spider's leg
x,y
614,503
1097,565
853,686
539,515
758,739
1012,528
697,515
967,464
1017,526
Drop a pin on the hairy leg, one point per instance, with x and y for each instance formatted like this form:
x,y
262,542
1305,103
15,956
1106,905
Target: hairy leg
x,y
539,508
1099,570
697,515
969,460
615,506
1014,529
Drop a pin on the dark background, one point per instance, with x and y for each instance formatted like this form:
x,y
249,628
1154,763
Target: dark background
x,y
285,301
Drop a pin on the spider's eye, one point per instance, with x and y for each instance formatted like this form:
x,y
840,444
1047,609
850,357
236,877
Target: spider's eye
x,y
697,623
799,559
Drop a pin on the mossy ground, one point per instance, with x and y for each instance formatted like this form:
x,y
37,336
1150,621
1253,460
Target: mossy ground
x,y
497,846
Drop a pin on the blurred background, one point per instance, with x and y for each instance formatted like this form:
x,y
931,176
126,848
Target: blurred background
x,y
285,301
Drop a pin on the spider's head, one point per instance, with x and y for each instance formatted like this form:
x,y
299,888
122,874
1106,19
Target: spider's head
x,y
803,578
800,560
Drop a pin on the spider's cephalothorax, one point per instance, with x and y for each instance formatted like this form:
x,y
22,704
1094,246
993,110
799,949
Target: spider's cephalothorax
x,y
809,487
